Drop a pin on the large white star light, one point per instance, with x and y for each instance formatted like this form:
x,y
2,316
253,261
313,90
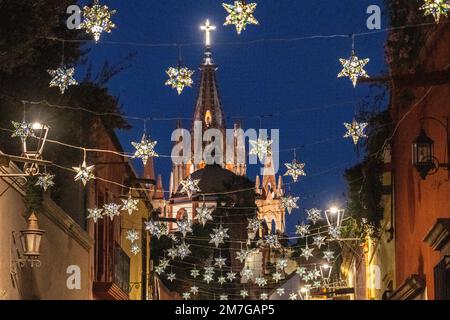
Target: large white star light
x,y
328,255
130,204
261,148
307,252
204,214
145,149
184,226
354,68
244,293
289,203
95,214
355,130
436,8
45,181
189,186
97,19
219,235
220,262
183,250
240,14
302,230
295,170
111,210
179,78
314,215
319,241
84,173
23,130
62,78
132,235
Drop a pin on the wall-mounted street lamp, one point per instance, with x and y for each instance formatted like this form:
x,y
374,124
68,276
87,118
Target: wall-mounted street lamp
x,y
325,272
334,216
423,157
30,239
34,150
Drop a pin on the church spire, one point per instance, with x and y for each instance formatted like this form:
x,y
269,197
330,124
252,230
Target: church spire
x,y
208,108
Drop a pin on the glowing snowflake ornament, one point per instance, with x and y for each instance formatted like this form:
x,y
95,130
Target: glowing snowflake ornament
x,y
437,8
272,241
355,130
247,274
254,224
319,241
314,215
171,276
62,78
302,230
207,277
145,149
219,235
293,296
179,78
240,14
221,280
95,214
289,203
135,249
183,250
281,291
354,68
45,181
244,293
204,214
111,210
97,19
172,253
223,297
334,232
195,273
261,148
186,295
184,227
307,252
189,186
194,290
242,255
23,130
130,204
328,255
231,276
276,276
220,262
282,263
84,173
132,235
295,170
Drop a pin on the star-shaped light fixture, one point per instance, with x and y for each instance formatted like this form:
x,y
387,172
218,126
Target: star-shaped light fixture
x,y
231,276
293,296
240,14
95,214
282,263
355,130
204,214
247,274
23,130
264,296
184,226
436,8
145,149
307,252
183,250
195,273
194,290
280,291
319,241
219,235
302,230
97,19
295,170
179,78
186,295
189,186
328,255
84,173
62,78
276,276
45,181
221,280
261,281
171,276
261,148
135,249
244,293
220,262
314,215
208,277
354,68
272,241
242,255
130,204
132,235
111,210
289,203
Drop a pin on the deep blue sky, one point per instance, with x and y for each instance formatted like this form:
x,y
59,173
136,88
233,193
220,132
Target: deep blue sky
x,y
254,79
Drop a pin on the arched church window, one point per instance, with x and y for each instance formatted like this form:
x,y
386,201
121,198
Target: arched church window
x,y
274,226
181,214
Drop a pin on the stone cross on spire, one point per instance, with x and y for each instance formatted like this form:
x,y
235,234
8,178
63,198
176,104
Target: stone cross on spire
x,y
208,28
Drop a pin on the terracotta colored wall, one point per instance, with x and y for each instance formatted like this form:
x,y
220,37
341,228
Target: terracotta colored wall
x,y
419,203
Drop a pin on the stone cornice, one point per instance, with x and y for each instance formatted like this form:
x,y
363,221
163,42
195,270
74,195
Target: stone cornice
x,y
410,289
439,235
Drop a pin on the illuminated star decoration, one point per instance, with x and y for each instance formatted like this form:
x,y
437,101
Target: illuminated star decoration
x,y
302,230
261,148
171,276
289,203
242,255
272,241
132,235
328,255
195,273
145,149
130,204
282,263
183,250
319,241
221,280
23,130
189,186
164,263
219,235
208,277
334,232
264,296
314,215
111,210
97,19
179,78
437,8
261,281
156,229
62,78
95,214
254,224
240,14
295,170
135,249
184,226
231,276
247,274
355,130
159,270
280,291
354,68
276,276
244,293
223,297
293,296
186,295
220,262
45,181
84,173
307,252
300,271
204,214
194,289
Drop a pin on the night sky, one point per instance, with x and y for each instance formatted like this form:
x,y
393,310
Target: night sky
x,y
254,79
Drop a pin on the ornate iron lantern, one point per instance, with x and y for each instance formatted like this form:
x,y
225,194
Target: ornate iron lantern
x,y
423,154
31,238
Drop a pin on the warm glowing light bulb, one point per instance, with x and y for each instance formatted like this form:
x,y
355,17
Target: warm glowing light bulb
x,y
325,266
